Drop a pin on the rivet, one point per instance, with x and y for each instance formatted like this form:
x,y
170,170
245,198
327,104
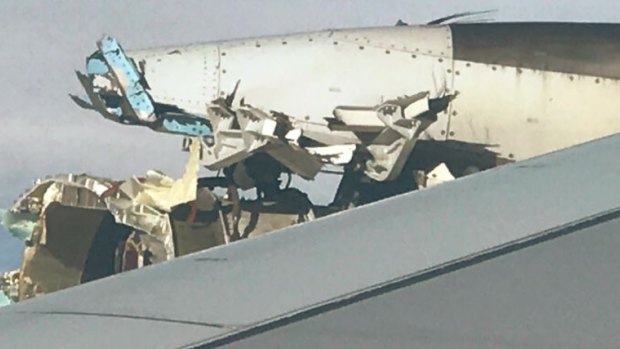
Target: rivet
x,y
511,155
451,133
223,71
223,53
257,45
414,56
455,113
494,68
310,39
361,47
457,72
468,65
449,71
443,133
598,81
335,42
387,52
440,60
572,78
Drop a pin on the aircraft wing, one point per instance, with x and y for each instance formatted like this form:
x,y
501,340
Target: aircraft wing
x,y
523,256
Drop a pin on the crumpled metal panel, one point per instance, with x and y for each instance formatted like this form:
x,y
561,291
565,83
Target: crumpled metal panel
x,y
76,213
119,91
127,75
145,207
247,130
397,125
43,270
162,192
145,204
50,189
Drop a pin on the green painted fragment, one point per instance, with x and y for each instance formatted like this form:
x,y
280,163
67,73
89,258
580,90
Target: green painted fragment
x,y
4,300
20,225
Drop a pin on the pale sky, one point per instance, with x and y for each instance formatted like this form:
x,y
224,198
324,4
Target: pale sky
x,y
43,42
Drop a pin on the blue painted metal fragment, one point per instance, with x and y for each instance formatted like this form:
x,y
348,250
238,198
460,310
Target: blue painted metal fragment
x,y
187,125
118,91
129,79
96,66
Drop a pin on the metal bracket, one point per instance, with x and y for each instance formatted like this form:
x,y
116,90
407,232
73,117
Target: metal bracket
x,y
240,133
397,124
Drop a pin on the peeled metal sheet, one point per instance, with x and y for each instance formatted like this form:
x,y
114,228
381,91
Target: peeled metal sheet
x,y
162,192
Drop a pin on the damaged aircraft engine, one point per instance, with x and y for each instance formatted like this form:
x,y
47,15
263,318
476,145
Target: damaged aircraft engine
x,y
392,109
380,103
79,228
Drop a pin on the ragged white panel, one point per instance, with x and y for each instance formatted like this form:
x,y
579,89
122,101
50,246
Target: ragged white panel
x,y
529,112
185,77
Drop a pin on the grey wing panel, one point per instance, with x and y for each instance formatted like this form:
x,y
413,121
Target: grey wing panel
x,y
96,331
236,288
557,292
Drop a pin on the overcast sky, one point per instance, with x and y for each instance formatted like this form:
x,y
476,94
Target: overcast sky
x,y
43,42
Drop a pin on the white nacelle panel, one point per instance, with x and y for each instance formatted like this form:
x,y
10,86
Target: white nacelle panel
x,y
521,113
426,40
185,76
307,76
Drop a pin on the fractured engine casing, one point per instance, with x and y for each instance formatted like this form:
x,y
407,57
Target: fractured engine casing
x,y
79,236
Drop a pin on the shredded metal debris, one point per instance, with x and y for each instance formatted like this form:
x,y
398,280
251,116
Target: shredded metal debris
x,y
79,228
